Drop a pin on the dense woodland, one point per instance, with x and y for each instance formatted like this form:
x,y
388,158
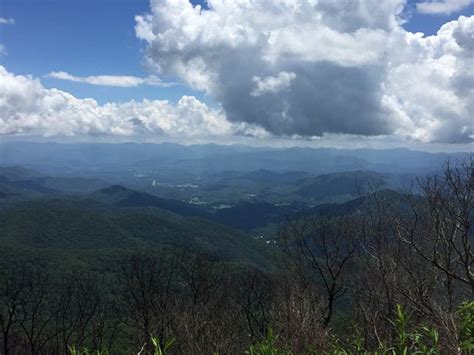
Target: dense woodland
x,y
392,274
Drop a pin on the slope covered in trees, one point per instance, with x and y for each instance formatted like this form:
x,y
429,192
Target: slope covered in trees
x,y
385,273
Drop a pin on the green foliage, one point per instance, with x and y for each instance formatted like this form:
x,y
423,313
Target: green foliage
x,y
466,333
354,344
425,341
158,349
422,340
401,326
267,346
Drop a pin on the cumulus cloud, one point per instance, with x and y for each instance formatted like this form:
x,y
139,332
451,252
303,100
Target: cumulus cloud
x,y
6,21
445,7
28,108
313,68
433,93
110,80
272,84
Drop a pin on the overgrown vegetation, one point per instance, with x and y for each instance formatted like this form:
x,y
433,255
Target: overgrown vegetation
x,y
420,340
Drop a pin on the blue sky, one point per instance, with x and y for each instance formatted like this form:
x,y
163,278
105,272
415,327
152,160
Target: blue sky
x,y
327,81
97,37
430,23
83,37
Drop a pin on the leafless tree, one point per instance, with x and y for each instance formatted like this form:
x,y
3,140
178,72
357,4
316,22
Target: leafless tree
x,y
294,314
254,293
320,250
204,318
37,310
13,287
415,249
440,227
81,308
147,295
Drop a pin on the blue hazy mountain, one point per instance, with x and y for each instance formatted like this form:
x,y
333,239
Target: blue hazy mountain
x,y
107,159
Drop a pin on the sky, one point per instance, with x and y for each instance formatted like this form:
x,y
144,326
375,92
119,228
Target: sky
x,y
296,72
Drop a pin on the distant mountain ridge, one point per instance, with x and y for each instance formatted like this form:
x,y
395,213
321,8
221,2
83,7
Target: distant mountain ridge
x,y
17,181
89,157
292,192
350,184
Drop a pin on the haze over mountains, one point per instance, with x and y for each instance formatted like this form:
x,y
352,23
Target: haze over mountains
x,y
247,188
87,157
244,187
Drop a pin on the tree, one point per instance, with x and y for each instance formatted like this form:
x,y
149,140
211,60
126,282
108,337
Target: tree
x,y
320,250
147,295
440,227
13,288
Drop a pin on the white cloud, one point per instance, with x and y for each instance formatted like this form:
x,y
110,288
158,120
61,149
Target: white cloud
x,y
6,21
111,80
272,84
445,7
354,69
27,108
295,68
432,95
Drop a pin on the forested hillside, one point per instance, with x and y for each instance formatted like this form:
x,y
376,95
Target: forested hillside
x,y
117,270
